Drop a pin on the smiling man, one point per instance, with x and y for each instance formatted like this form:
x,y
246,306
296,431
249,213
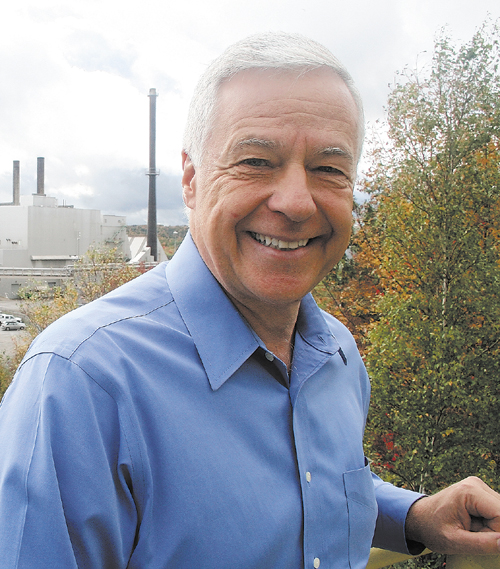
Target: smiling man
x,y
208,414
271,200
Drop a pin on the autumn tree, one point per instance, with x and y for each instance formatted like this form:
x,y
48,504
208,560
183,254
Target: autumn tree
x,y
43,305
434,350
7,370
100,271
351,290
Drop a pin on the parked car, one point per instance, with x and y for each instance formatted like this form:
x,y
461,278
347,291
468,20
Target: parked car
x,y
9,317
5,317
12,324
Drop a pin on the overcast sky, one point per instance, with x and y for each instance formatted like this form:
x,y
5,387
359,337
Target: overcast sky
x,y
75,75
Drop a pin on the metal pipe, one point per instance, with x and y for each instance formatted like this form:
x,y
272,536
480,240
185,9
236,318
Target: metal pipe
x,y
152,238
16,197
40,176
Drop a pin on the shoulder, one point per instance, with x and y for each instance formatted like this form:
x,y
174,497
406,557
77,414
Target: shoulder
x,y
135,299
121,342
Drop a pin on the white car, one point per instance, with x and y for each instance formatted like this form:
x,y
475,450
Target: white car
x,y
12,324
9,317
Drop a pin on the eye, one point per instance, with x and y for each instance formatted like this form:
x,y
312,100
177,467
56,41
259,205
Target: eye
x,y
255,162
330,170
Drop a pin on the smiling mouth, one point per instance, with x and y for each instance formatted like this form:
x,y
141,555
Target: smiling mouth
x,y
278,243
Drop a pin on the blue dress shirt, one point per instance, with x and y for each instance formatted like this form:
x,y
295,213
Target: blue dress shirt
x,y
147,430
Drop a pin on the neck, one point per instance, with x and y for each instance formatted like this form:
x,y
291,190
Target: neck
x,y
275,326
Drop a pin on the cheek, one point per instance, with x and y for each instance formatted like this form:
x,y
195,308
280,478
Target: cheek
x,y
230,206
342,213
340,218
212,196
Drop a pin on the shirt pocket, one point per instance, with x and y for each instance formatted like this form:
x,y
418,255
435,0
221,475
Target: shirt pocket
x,y
362,513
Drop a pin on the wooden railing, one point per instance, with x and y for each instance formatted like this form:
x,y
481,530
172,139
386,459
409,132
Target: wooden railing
x,y
380,558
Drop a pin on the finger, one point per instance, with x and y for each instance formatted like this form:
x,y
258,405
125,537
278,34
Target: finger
x,y
484,511
477,543
477,481
482,502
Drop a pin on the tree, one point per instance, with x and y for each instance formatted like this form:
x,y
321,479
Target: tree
x,y
100,271
351,290
434,350
42,305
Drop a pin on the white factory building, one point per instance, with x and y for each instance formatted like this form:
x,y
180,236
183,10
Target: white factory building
x,y
40,239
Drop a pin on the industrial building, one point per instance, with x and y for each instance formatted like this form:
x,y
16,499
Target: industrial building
x,y
40,239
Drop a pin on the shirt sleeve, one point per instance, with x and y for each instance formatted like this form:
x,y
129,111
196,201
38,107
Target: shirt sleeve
x,y
393,505
65,497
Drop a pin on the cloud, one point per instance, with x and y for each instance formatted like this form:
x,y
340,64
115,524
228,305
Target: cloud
x,y
126,190
90,51
74,79
115,191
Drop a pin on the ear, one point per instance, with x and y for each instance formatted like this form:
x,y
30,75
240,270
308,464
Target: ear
x,y
188,181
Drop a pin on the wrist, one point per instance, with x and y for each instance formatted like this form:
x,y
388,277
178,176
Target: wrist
x,y
413,529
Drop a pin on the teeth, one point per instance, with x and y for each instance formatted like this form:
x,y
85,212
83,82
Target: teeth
x,y
278,243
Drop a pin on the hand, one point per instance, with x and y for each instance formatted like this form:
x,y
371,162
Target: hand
x,y
464,518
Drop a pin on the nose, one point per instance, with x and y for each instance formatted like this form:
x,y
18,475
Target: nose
x,y
291,195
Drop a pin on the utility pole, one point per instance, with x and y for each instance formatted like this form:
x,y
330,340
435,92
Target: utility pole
x,y
152,238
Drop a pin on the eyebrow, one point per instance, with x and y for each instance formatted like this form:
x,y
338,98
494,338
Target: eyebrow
x,y
262,142
336,151
265,143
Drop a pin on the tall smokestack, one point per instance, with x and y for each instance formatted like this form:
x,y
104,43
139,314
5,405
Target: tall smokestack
x,y
16,183
40,176
152,173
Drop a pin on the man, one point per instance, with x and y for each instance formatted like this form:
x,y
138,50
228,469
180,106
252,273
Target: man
x,y
208,414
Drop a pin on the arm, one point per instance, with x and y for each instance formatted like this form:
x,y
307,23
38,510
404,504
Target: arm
x,y
463,518
64,495
393,506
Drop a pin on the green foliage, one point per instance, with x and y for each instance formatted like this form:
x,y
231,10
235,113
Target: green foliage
x,y
350,290
429,561
434,352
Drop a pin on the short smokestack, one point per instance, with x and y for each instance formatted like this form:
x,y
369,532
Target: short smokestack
x,y
16,183
152,238
40,176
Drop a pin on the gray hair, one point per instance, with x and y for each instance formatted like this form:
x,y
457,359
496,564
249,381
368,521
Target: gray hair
x,y
270,50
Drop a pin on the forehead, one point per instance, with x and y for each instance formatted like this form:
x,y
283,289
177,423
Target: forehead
x,y
315,104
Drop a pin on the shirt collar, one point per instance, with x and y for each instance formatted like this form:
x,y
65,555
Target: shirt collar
x,y
312,327
223,338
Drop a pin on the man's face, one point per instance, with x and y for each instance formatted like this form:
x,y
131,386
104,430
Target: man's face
x,y
271,202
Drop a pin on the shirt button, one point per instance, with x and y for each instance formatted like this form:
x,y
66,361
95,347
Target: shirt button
x,y
269,356
308,476
316,562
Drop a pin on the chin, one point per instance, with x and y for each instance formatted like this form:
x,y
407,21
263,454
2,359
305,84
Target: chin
x,y
285,295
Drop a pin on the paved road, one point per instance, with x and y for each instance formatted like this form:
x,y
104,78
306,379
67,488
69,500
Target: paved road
x,y
7,337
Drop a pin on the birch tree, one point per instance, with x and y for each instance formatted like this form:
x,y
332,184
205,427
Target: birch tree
x,y
434,350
